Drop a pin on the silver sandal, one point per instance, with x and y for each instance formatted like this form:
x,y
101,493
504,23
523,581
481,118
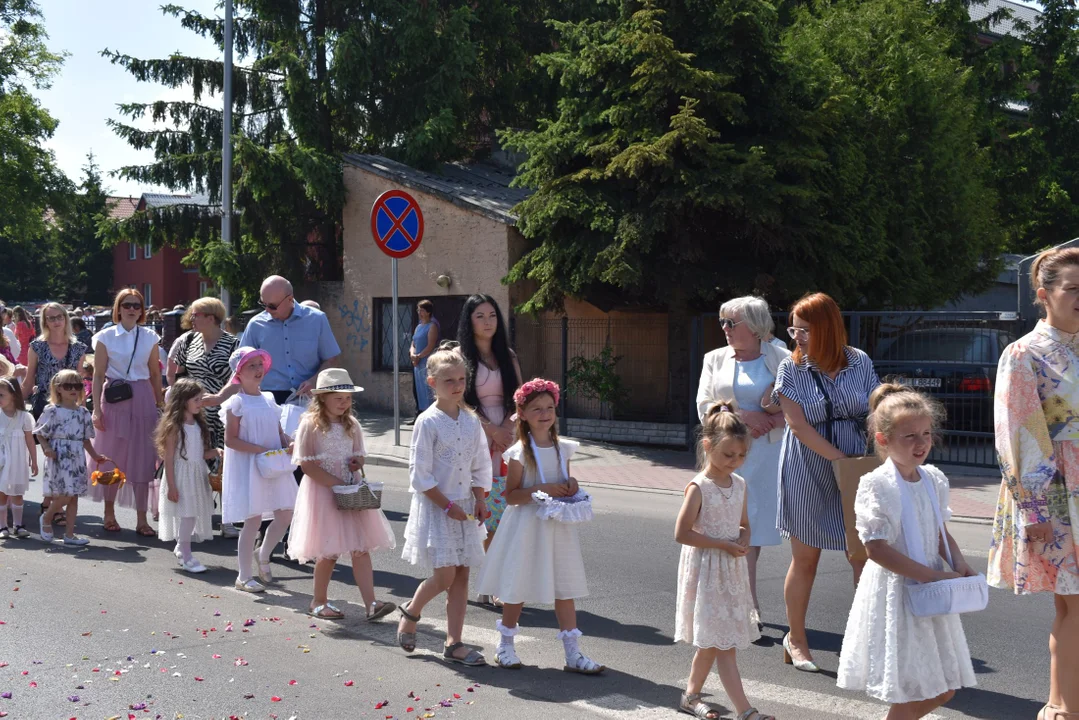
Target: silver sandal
x,y
407,640
754,714
378,610
473,659
691,704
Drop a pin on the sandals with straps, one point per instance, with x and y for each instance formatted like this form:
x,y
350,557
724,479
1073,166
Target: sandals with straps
x,y
691,704
407,640
506,657
583,665
326,611
754,714
379,610
473,659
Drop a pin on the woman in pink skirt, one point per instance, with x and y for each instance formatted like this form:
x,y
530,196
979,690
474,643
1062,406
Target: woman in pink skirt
x,y
126,356
329,448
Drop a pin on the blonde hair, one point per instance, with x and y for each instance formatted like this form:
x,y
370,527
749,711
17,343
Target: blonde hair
x,y
87,362
1045,271
720,422
43,311
439,360
891,402
319,415
172,418
523,432
59,379
204,306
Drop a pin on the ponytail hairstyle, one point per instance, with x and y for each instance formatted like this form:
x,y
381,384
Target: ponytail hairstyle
x,y
720,422
525,396
891,402
1045,272
172,418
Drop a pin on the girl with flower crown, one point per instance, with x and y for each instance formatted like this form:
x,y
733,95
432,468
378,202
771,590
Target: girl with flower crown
x,y
537,559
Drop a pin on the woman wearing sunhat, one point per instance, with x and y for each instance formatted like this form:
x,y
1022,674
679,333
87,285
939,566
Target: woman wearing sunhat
x,y
252,490
329,449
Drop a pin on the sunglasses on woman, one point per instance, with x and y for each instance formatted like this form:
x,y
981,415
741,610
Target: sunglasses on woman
x,y
797,332
131,306
55,318
729,324
273,306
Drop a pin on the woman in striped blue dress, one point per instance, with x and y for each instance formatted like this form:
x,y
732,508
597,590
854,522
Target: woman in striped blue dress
x,y
823,389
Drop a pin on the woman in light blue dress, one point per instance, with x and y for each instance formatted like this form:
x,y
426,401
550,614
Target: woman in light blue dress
x,y
424,342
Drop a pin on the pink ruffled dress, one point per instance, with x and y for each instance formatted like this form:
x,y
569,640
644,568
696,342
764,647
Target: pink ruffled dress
x,y
489,393
319,529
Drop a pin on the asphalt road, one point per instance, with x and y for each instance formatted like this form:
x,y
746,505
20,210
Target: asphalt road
x,y
116,630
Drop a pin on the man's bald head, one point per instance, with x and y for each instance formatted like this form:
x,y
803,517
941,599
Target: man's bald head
x,y
276,296
275,284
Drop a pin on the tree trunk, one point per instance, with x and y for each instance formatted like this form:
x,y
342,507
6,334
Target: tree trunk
x,y
329,251
679,362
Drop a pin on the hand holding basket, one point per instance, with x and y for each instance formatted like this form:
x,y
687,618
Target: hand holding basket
x,y
358,496
108,477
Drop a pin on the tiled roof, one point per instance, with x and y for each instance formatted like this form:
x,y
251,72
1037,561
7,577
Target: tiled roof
x,y
478,187
1025,13
121,208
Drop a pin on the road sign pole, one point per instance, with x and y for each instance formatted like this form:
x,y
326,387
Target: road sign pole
x,y
226,149
396,365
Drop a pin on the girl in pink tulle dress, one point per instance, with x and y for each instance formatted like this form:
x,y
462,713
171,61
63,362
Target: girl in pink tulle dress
x,y
329,448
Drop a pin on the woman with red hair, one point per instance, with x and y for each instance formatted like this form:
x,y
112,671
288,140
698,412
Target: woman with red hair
x,y
823,389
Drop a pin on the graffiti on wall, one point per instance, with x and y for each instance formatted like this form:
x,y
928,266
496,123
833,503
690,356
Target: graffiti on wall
x,y
357,324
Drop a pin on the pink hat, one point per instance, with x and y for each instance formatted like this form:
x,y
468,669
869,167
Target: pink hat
x,y
242,356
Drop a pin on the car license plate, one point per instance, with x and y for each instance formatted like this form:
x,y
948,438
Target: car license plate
x,y
920,382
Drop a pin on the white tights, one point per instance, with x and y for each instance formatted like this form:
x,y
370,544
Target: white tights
x,y
183,537
245,544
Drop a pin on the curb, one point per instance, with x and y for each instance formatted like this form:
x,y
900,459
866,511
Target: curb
x,y
971,520
387,460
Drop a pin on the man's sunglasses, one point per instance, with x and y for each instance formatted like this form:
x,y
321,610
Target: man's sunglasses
x,y
273,306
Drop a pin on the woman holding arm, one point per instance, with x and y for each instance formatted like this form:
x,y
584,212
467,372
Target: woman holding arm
x,y
424,341
493,376
1037,439
126,354
742,374
823,389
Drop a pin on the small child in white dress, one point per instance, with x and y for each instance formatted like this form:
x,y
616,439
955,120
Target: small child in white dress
x,y
252,427
19,455
534,559
183,442
914,663
715,606
449,470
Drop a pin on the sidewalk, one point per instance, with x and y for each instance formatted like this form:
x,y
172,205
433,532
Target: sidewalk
x,y
974,490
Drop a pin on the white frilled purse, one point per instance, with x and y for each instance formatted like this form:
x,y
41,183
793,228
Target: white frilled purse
x,y
273,463
576,508
943,597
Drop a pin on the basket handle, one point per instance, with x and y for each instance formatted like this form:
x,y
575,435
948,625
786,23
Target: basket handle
x,y
108,462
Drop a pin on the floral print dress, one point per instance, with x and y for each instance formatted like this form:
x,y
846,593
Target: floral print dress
x,y
65,430
1037,440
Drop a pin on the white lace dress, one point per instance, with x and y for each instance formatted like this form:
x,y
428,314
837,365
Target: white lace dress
x,y
451,455
888,652
552,568
193,486
715,608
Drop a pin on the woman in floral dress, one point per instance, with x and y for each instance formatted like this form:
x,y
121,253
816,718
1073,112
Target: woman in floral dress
x,y
1037,439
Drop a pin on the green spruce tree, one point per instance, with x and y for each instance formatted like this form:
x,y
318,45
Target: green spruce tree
x,y
82,265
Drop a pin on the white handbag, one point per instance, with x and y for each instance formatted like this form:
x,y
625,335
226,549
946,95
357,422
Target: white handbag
x,y
273,463
943,597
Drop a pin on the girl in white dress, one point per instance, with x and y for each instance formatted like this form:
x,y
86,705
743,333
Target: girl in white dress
x,y
183,441
914,663
449,470
715,606
534,559
19,456
252,427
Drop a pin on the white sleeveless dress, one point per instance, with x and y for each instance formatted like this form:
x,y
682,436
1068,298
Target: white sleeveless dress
x,y
192,479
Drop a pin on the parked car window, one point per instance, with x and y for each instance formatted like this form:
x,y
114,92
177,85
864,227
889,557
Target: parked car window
x,y
944,346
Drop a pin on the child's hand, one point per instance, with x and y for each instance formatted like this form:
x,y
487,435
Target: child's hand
x,y
946,575
964,569
573,486
733,548
355,463
743,538
174,494
481,513
557,489
33,465
456,513
50,453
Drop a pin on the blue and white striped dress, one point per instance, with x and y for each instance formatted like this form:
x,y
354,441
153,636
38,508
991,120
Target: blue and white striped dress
x,y
809,504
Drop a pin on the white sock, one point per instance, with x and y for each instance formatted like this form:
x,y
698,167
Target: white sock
x,y
16,514
245,546
569,642
507,633
274,532
3,516
187,529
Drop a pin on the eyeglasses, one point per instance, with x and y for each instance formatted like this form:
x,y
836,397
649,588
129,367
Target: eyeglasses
x,y
449,345
71,386
131,306
797,332
729,324
55,318
273,306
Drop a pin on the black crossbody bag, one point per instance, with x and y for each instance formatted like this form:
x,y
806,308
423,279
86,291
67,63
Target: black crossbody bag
x,y
120,390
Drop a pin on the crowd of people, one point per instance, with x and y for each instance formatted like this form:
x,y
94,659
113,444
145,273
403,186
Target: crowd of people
x,y
492,486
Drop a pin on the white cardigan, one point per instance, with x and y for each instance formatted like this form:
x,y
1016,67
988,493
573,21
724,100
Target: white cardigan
x,y
717,378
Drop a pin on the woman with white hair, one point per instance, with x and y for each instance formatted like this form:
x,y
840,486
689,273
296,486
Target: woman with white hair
x,y
742,374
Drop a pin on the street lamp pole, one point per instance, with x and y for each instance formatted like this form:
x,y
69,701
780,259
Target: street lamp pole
x,y
226,148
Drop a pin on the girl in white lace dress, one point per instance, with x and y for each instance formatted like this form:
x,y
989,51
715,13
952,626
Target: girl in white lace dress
x,y
329,448
715,606
183,441
914,663
449,470
535,559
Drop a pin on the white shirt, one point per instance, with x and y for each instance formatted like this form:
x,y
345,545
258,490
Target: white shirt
x,y
119,344
449,454
13,341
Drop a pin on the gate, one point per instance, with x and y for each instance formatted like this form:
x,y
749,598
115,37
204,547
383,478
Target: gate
x,y
950,355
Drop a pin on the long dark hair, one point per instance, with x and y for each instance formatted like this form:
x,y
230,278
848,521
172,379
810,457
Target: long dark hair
x,y
500,346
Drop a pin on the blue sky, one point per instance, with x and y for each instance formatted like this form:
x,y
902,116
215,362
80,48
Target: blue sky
x,y
88,89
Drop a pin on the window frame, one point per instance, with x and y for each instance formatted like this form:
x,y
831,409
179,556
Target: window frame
x,y
132,251
147,251
147,294
379,326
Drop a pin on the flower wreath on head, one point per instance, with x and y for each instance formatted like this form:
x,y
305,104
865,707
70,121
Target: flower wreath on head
x,y
537,385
